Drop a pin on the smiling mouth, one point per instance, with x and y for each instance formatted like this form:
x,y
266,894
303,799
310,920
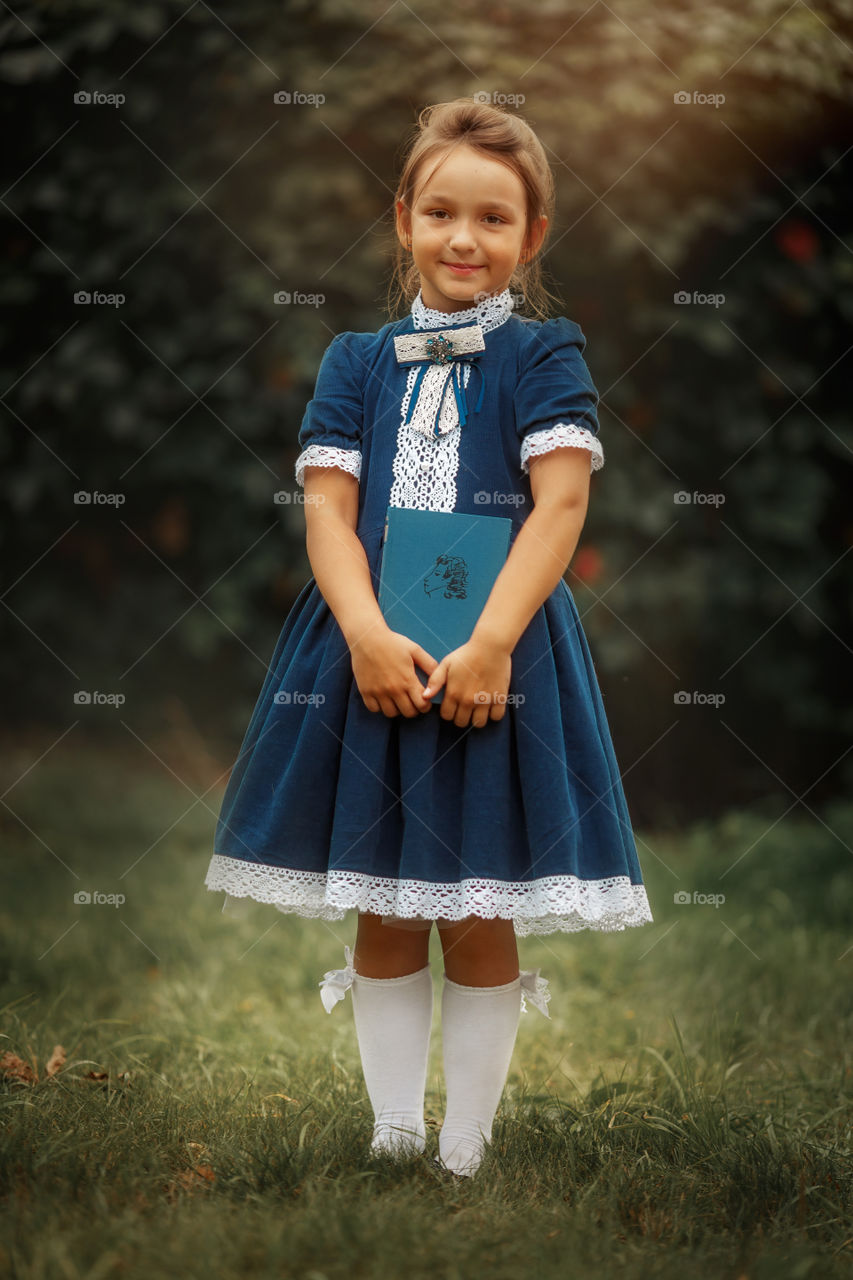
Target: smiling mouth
x,y
462,266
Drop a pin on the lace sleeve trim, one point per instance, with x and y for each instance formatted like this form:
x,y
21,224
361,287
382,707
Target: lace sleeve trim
x,y
560,435
326,455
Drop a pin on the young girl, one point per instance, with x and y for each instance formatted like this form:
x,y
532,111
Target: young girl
x,y
498,811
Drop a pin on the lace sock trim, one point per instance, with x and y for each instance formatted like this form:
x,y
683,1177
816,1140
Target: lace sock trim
x,y
562,434
327,455
546,905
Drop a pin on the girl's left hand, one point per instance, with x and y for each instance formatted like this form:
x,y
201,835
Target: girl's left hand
x,y
476,680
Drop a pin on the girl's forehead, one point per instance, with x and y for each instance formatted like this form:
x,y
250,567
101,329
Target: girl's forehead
x,y
464,171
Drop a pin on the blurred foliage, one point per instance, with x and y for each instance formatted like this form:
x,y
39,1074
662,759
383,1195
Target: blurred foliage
x,y
199,197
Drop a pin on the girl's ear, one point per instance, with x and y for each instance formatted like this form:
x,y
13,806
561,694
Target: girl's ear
x,y
534,238
403,224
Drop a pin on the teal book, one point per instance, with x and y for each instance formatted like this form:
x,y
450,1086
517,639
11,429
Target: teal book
x,y
438,568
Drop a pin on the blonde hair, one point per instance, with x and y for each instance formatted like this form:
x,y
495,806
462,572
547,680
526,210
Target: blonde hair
x,y
498,134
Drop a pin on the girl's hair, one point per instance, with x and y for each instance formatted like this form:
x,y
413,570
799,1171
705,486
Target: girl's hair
x,y
500,135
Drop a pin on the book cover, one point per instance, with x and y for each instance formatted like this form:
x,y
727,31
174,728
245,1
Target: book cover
x,y
438,568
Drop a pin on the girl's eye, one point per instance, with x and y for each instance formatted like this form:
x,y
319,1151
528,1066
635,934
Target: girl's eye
x,y
442,213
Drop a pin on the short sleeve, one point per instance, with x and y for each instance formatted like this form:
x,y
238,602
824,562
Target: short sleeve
x,y
330,435
556,403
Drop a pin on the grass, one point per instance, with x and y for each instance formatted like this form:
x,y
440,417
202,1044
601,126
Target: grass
x,y
686,1110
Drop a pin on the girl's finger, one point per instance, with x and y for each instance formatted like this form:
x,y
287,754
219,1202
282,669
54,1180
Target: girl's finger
x,y
437,679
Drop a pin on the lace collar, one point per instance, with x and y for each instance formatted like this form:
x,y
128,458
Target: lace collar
x,y
489,312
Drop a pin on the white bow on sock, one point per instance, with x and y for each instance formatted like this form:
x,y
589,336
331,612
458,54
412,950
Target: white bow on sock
x,y
393,1020
479,1026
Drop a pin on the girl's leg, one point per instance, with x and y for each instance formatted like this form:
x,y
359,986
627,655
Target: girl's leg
x,y
480,1008
479,953
381,951
392,997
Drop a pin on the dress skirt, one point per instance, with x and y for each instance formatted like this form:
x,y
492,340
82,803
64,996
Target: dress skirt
x,y
331,807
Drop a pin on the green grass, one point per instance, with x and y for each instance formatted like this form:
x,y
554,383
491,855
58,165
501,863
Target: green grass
x,y
686,1111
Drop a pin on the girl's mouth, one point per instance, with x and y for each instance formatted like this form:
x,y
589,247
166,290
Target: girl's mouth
x,y
461,268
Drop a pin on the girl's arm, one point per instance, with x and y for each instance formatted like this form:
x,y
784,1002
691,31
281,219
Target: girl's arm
x,y
543,547
382,659
540,555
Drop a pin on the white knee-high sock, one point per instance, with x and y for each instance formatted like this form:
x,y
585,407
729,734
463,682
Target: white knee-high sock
x,y
393,1019
479,1027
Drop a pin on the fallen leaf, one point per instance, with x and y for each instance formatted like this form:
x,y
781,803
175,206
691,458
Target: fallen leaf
x,y
16,1069
56,1060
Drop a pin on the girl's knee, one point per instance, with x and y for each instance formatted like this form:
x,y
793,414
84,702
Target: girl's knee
x,y
381,951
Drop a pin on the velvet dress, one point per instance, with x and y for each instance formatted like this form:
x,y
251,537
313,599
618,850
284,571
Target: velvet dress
x,y
330,806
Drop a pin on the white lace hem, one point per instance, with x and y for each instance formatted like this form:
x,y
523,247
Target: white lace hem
x,y
549,904
560,435
327,455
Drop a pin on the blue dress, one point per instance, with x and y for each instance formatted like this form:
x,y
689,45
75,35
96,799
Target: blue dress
x,y
331,806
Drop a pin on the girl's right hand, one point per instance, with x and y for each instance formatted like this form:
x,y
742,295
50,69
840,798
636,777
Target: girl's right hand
x,y
383,664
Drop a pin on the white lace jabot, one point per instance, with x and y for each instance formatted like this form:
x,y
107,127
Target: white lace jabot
x,y
489,312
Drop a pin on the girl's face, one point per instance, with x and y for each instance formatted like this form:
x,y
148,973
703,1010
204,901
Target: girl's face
x,y
467,228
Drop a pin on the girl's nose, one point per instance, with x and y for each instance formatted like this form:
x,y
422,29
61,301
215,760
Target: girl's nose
x,y
461,237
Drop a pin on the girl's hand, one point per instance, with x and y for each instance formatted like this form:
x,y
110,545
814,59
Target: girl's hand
x,y
383,663
476,679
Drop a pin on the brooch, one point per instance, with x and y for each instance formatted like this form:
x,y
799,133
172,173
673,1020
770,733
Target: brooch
x,y
440,349
441,357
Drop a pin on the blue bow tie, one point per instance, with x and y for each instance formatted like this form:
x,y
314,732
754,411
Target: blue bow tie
x,y
445,350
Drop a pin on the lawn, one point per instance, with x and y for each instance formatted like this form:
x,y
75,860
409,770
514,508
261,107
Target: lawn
x,y
176,1101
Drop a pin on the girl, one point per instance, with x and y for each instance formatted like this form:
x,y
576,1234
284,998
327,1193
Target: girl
x,y
500,810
